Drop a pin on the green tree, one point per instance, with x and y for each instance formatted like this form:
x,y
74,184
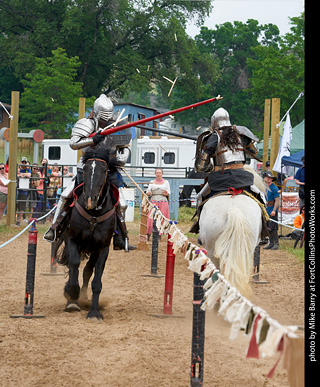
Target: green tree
x,y
231,45
51,94
111,38
279,72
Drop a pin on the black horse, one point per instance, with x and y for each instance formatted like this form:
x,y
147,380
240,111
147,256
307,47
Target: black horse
x,y
185,194
89,230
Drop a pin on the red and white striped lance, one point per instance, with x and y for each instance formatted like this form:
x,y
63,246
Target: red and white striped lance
x,y
156,117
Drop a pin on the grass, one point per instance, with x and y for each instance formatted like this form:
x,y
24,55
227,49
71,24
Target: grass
x,y
287,245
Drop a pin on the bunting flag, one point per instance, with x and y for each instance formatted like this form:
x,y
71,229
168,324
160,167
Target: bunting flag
x,y
267,336
284,149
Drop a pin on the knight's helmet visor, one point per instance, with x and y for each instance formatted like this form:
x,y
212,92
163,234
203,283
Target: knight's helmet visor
x,y
103,108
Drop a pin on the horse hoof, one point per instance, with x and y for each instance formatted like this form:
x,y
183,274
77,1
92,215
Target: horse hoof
x,y
96,317
72,307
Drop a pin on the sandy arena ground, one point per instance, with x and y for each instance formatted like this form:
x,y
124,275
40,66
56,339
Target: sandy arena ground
x,y
131,347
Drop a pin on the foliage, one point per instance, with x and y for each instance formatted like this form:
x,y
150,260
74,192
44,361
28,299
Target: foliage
x,y
124,48
111,38
51,96
231,45
279,72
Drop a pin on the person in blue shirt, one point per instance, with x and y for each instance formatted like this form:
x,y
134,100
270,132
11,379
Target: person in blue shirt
x,y
300,181
272,206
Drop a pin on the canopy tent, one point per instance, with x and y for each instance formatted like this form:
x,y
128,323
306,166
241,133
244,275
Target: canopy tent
x,y
293,160
297,142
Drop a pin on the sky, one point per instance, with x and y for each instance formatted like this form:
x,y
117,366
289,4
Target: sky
x,y
265,11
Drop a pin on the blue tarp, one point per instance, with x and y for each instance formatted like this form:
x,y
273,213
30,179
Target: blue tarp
x,y
293,160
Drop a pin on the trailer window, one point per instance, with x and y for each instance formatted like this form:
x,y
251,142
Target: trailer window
x,y
54,152
149,158
169,158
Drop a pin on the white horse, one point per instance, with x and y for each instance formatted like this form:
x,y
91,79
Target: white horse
x,y
230,229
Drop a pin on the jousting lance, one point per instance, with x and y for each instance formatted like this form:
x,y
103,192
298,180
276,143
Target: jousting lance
x,y
144,120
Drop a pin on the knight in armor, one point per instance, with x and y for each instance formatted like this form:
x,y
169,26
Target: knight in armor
x,y
101,117
221,152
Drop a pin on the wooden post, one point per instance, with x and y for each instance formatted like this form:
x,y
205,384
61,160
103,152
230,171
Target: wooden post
x,y
142,244
266,131
82,111
275,119
13,145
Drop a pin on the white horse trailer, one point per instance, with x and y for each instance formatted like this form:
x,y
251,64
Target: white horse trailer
x,y
59,152
175,156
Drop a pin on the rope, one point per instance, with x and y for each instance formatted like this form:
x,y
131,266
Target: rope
x,y
299,96
200,263
26,228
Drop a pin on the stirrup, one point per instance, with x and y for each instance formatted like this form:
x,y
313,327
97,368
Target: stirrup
x,y
122,243
50,235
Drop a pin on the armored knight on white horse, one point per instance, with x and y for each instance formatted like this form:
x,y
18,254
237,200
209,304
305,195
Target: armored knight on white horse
x,y
231,203
101,117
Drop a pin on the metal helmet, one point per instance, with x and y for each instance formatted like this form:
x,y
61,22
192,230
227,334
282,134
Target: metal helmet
x,y
220,119
103,108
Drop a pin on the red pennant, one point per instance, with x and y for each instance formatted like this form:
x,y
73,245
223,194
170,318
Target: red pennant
x,y
280,349
253,350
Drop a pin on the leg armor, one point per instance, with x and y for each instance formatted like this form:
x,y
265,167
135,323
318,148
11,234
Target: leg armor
x,y
61,212
120,237
122,202
201,195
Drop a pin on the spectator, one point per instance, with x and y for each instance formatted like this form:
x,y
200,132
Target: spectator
x,y
300,181
24,175
41,207
298,223
66,172
66,177
159,190
33,197
273,200
54,181
54,184
46,166
281,179
7,165
3,189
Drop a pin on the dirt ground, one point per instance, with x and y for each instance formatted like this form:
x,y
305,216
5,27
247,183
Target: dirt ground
x,y
132,347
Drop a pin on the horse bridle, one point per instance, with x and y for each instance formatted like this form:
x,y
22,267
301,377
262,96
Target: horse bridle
x,y
92,219
105,179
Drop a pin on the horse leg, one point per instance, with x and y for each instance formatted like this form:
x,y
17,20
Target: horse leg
x,y
87,273
96,285
72,288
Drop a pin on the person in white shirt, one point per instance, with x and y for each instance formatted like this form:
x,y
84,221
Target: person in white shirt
x,y
159,190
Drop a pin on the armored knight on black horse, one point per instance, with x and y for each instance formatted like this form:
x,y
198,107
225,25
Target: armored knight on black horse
x,y
101,117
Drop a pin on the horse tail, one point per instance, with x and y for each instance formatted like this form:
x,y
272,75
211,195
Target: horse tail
x,y
234,247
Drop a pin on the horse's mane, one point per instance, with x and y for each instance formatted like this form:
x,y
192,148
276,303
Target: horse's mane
x,y
104,152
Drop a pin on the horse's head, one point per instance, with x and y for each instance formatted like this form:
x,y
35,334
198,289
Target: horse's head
x,y
94,179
